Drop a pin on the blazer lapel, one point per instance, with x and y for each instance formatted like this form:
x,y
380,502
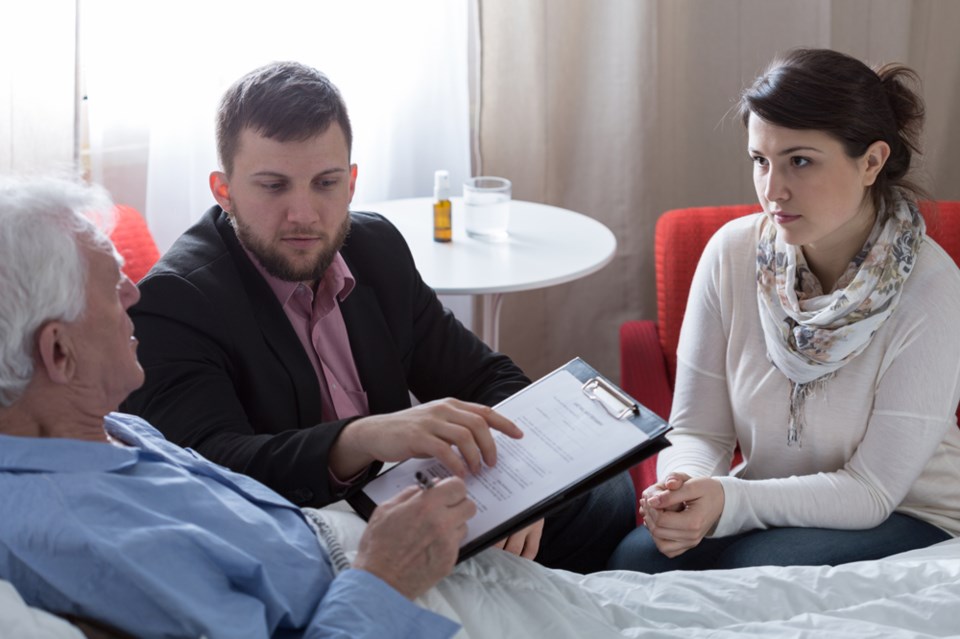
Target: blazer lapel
x,y
379,364
276,328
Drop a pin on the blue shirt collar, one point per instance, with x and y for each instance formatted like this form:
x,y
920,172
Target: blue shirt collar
x,y
59,455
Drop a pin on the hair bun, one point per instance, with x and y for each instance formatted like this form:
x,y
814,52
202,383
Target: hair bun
x,y
902,86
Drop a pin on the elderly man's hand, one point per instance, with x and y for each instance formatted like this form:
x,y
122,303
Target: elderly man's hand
x,y
457,433
413,539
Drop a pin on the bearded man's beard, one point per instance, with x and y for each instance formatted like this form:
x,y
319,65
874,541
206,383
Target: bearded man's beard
x,y
280,266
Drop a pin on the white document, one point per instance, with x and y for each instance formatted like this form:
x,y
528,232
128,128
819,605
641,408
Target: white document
x,y
568,436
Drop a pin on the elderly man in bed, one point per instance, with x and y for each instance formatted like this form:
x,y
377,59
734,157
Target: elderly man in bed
x,y
102,518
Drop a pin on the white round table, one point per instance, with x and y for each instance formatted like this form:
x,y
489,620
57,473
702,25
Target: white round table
x,y
547,245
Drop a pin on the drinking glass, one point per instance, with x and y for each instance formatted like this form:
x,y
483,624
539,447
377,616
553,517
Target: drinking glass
x,y
486,207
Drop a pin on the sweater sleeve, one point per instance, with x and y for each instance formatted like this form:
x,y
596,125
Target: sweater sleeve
x,y
703,437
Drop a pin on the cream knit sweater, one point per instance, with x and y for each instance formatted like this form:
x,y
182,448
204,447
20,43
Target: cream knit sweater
x,y
881,436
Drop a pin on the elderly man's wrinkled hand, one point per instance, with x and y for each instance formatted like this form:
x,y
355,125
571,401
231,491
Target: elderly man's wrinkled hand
x,y
412,540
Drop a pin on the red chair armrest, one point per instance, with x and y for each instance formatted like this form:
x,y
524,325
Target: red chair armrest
x,y
643,375
643,368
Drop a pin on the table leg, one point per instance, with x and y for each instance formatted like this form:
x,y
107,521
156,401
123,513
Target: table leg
x,y
490,319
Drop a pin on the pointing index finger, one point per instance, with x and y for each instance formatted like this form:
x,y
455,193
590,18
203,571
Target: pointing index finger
x,y
498,422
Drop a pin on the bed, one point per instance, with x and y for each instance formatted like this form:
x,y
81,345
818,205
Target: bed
x,y
496,595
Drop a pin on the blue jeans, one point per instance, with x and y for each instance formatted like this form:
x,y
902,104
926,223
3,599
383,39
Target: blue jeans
x,y
581,535
780,547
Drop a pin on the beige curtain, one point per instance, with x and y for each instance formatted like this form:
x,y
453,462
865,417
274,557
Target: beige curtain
x,y
619,109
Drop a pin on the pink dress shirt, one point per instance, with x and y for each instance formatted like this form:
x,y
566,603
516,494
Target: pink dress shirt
x,y
318,322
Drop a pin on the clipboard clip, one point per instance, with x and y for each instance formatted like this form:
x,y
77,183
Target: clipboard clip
x,y
611,398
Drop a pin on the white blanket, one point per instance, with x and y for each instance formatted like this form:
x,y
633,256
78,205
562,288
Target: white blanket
x,y
20,621
496,595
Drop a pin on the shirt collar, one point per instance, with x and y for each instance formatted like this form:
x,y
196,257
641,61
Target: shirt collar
x,y
337,278
60,455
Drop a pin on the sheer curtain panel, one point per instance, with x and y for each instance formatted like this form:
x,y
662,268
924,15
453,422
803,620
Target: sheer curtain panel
x,y
619,109
37,86
153,73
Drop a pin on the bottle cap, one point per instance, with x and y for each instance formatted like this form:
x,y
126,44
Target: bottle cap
x,y
441,185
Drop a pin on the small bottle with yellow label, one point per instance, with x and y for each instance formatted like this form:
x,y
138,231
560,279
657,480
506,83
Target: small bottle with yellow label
x,y
442,221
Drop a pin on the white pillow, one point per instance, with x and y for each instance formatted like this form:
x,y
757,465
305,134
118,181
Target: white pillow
x,y
20,621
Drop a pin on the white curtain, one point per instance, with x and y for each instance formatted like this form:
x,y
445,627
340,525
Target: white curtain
x,y
620,109
153,73
37,87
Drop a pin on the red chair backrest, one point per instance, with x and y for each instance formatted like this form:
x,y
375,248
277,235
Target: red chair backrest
x,y
679,240
943,225
134,242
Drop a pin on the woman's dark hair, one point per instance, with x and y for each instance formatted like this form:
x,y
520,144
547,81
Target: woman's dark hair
x,y
835,93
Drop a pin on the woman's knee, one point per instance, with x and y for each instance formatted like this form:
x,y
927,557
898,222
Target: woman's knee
x,y
636,551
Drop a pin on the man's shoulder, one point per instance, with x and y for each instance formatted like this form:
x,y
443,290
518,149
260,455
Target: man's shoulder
x,y
202,246
373,243
201,261
367,226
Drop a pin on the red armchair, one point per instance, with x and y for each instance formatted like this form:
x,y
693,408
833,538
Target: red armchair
x,y
134,242
648,349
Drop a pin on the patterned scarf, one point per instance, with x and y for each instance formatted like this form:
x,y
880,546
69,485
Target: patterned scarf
x,y
809,334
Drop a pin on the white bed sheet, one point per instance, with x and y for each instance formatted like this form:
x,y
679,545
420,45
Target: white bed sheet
x,y
496,595
20,621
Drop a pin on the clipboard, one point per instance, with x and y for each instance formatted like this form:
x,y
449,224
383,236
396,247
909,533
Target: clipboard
x,y
582,430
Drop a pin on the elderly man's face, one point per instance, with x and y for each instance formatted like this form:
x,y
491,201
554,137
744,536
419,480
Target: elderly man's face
x,y
107,366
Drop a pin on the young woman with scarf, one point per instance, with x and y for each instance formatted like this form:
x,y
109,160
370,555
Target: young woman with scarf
x,y
820,336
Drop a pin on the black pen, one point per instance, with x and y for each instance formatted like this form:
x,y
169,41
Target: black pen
x,y
424,482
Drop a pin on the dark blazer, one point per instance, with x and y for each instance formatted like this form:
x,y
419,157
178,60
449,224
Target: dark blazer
x,y
227,376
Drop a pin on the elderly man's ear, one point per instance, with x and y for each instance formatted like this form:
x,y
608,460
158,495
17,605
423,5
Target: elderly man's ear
x,y
55,352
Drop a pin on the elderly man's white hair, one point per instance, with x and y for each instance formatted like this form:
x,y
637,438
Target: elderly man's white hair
x,y
42,269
